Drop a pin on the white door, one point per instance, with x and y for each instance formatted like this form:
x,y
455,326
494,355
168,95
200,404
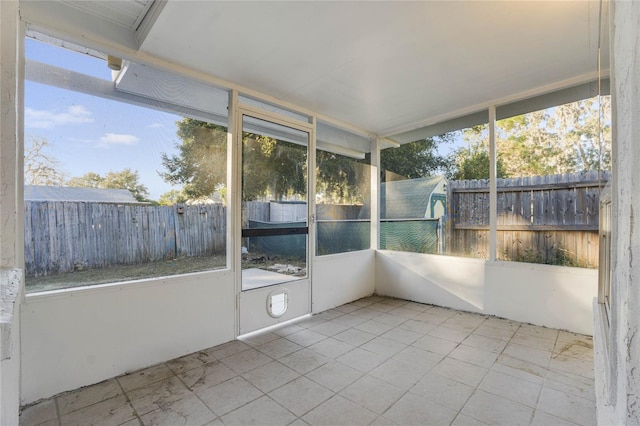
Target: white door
x,y
275,283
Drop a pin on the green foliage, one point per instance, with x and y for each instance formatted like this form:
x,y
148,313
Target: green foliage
x,y
201,164
340,179
271,168
172,197
570,138
556,256
415,159
474,164
124,179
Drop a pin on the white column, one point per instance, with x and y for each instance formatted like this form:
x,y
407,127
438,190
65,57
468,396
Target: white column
x,y
11,228
234,206
624,338
493,192
375,193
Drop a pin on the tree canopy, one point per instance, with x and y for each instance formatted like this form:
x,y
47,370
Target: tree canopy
x,y
563,139
271,168
570,138
415,159
201,163
340,179
123,179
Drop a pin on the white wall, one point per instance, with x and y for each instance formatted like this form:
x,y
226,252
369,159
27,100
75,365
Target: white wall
x,y
342,278
10,283
83,336
550,296
11,259
454,282
618,399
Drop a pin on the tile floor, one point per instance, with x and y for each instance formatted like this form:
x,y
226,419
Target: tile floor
x,y
375,361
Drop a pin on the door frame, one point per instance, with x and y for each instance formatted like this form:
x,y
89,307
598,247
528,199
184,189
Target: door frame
x,y
237,113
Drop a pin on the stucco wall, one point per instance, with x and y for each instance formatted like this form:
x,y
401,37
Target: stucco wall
x,y
342,278
10,220
551,296
618,398
83,336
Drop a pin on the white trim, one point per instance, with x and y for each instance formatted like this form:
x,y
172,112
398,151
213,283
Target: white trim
x,y
493,189
311,208
563,84
240,111
67,79
375,194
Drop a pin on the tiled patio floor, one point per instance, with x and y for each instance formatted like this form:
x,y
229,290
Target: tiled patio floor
x,y
375,361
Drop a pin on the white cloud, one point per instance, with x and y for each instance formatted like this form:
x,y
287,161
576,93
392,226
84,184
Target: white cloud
x,y
118,139
155,126
47,119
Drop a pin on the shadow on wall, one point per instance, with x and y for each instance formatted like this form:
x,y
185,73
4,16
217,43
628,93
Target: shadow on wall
x,y
551,296
439,280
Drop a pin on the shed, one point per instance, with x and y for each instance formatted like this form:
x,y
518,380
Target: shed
x,y
89,195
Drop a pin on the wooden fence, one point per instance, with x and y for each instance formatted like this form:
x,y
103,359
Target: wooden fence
x,y
540,219
68,236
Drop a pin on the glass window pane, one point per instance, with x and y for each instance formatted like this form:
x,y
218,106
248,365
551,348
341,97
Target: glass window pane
x,y
274,203
343,209
124,181
421,207
555,162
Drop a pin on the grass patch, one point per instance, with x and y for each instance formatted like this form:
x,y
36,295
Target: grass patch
x,y
163,268
114,274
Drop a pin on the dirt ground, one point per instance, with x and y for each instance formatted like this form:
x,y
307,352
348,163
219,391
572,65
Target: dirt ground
x,y
114,274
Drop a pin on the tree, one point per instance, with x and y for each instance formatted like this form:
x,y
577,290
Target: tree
x,y
87,180
570,138
474,164
340,179
172,197
415,159
272,168
40,167
201,164
124,179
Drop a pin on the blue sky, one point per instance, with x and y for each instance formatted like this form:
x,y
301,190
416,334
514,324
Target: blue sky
x,y
91,134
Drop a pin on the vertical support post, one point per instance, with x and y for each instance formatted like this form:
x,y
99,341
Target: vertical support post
x,y
375,193
11,206
493,188
234,207
311,208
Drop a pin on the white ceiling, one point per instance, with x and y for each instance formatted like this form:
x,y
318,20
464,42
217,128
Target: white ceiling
x,y
385,67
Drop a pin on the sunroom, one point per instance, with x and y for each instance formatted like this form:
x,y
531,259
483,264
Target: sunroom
x,y
371,204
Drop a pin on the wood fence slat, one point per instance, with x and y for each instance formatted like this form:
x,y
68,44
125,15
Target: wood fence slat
x,y
545,218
